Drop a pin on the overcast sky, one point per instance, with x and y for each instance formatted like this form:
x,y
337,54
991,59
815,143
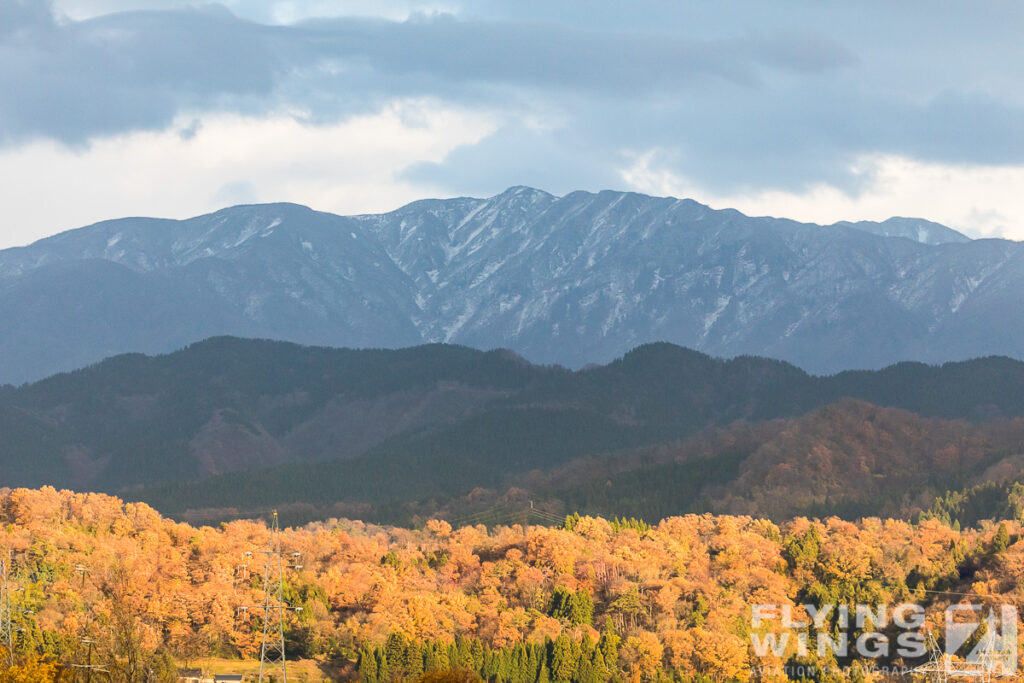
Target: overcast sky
x,y
818,111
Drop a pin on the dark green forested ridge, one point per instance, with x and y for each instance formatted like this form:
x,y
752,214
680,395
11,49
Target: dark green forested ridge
x,y
282,422
851,459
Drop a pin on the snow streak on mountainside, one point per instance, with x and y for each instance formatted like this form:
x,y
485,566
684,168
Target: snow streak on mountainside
x,y
576,279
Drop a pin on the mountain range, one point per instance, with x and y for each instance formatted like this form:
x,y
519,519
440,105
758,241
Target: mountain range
x,y
567,280
236,423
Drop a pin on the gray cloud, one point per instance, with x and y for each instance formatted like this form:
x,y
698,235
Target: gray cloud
x,y
732,94
19,15
559,57
128,71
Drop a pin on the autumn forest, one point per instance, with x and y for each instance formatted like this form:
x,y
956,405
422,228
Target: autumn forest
x,y
587,600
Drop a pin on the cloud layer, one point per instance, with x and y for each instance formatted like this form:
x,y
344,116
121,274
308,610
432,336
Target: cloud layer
x,y
734,99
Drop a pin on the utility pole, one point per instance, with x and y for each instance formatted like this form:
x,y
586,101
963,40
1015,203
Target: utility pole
x,y
87,667
272,649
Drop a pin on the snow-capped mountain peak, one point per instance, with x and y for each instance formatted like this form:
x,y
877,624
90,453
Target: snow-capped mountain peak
x,y
573,279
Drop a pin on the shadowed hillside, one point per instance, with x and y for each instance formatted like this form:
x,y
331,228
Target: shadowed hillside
x,y
234,405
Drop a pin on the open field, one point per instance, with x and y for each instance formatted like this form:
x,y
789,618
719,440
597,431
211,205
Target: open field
x,y
300,671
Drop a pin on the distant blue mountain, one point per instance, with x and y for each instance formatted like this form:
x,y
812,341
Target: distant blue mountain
x,y
570,280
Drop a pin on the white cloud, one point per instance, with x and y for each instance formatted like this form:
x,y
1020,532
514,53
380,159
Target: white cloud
x,y
348,167
269,11
980,201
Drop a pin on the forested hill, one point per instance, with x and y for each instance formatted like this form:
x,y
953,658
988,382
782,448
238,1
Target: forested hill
x,y
228,405
850,459
657,602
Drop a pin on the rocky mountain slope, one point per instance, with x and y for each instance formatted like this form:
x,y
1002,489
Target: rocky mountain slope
x,y
570,280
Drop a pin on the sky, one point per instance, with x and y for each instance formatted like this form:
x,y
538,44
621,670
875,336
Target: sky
x,y
818,111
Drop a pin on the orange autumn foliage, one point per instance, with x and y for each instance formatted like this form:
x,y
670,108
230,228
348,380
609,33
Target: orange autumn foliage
x,y
679,594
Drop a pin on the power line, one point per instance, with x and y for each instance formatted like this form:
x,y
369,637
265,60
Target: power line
x,y
547,515
199,515
488,512
924,590
508,514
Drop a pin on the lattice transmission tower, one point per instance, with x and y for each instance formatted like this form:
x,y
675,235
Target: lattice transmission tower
x,y
6,627
985,667
272,652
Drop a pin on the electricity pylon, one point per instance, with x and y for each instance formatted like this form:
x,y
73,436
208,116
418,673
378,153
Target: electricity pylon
x,y
6,628
987,665
272,649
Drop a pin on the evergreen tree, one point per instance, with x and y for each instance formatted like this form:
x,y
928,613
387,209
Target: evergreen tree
x,y
563,658
1002,539
534,662
802,551
588,673
493,667
699,610
432,660
601,670
581,608
576,608
476,654
517,665
393,657
608,645
367,665
453,655
628,605
559,606
576,655
463,654
412,659
384,672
